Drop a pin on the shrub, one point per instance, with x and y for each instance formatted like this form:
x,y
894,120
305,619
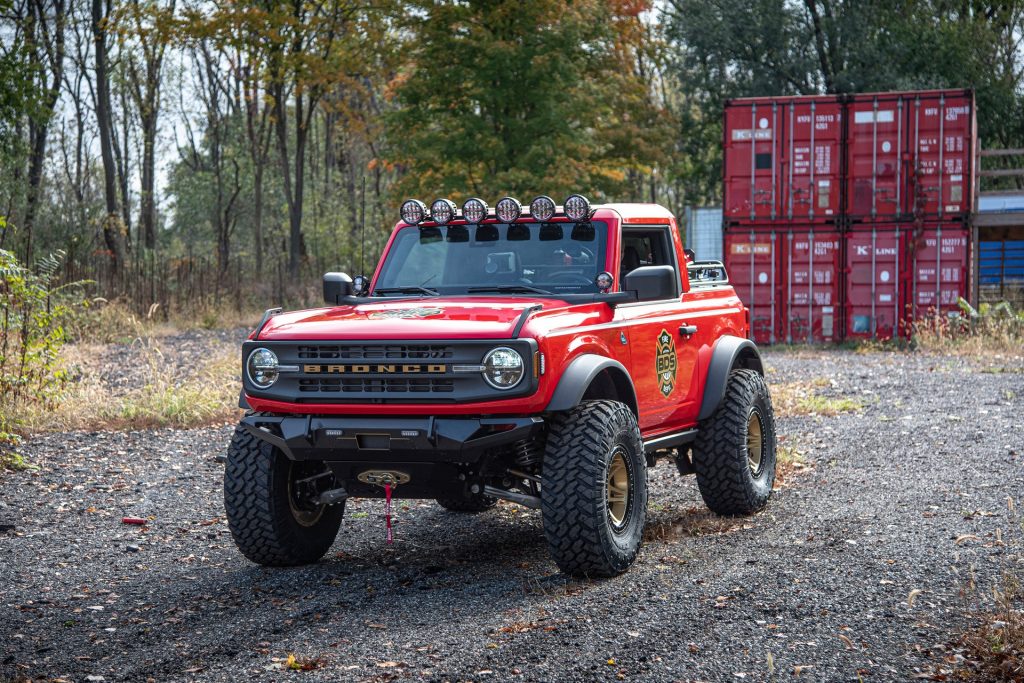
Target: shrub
x,y
32,311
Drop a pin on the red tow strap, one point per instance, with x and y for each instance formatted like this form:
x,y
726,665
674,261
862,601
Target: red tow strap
x,y
387,512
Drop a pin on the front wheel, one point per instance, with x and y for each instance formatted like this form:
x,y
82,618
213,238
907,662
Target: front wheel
x,y
734,456
269,503
594,491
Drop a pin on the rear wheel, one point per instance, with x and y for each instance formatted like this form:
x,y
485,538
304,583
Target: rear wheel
x,y
734,456
594,491
270,506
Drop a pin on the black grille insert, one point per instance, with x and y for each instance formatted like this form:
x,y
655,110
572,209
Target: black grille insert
x,y
374,351
366,385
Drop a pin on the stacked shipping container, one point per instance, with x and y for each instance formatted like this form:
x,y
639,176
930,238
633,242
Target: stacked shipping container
x,y
846,216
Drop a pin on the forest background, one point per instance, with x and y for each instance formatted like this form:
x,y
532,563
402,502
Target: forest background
x,y
189,156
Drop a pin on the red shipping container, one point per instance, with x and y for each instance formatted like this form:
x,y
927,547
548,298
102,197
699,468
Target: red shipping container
x,y
783,160
899,273
812,293
938,257
753,261
942,129
874,269
896,144
876,138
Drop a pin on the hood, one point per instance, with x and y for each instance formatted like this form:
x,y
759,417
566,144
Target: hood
x,y
421,318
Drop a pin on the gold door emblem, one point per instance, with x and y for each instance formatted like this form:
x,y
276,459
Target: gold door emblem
x,y
665,362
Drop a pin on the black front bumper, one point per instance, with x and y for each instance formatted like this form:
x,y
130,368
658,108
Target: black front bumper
x,y
389,439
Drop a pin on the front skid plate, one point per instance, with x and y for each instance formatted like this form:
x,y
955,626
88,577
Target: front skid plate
x,y
384,440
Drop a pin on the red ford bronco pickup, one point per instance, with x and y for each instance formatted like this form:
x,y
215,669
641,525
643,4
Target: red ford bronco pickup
x,y
545,355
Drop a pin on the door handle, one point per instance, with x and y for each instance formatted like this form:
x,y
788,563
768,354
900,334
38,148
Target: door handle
x,y
688,329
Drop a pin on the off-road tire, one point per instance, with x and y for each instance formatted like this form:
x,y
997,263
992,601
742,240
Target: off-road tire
x,y
726,478
469,503
581,446
258,511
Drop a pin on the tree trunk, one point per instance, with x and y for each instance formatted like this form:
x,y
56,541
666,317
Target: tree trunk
x,y
112,222
52,58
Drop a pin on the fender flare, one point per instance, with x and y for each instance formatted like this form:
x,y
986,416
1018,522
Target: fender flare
x,y
577,378
728,353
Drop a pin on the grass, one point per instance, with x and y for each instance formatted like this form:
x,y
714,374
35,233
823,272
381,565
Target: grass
x,y
993,650
204,392
792,399
789,462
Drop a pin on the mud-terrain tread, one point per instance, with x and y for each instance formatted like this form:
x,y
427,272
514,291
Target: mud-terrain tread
x,y
262,531
573,475
719,454
471,503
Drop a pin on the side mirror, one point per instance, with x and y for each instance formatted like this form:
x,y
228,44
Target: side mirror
x,y
652,283
336,285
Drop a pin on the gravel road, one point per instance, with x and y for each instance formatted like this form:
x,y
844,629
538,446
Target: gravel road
x,y
854,571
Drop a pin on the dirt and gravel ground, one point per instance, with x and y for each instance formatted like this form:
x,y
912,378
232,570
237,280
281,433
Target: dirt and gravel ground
x,y
854,571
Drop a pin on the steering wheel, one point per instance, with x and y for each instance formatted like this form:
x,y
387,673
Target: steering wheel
x,y
575,277
589,254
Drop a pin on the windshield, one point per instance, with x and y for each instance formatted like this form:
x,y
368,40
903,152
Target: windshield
x,y
540,258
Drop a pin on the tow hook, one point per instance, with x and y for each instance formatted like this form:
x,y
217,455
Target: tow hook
x,y
383,477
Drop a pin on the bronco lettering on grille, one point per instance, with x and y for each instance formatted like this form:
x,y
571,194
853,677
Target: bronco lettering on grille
x,y
363,369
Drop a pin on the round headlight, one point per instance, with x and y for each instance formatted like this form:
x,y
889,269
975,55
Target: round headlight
x,y
443,210
508,209
262,368
503,368
577,207
413,211
474,210
542,208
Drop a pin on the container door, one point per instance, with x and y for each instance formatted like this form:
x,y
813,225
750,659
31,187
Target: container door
x,y
812,149
751,171
875,138
753,263
811,273
873,273
941,131
938,256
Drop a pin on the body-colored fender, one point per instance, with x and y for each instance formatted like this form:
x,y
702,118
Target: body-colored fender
x,y
582,372
728,354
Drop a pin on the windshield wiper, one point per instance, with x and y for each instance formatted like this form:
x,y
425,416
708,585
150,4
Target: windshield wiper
x,y
508,288
411,289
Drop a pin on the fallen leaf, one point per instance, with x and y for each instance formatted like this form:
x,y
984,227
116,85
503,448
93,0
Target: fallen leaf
x,y
960,540
846,641
913,596
800,668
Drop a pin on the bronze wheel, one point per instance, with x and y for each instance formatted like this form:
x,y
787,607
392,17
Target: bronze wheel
x,y
618,489
755,442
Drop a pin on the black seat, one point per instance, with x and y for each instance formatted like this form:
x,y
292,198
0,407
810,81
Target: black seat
x,y
630,261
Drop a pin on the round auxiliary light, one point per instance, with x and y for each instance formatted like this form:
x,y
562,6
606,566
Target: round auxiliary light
x,y
443,210
413,211
508,210
542,208
604,282
360,285
262,368
474,210
577,207
503,368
